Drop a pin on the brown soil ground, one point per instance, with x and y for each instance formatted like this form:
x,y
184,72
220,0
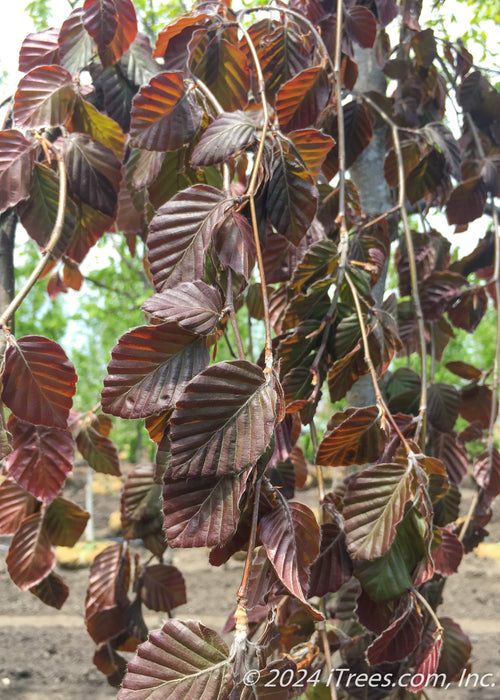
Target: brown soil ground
x,y
47,654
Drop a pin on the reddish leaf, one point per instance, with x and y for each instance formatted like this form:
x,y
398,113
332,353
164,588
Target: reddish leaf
x,y
149,369
466,202
353,437
193,305
109,662
72,277
141,503
360,26
113,26
202,511
486,472
94,172
184,25
180,234
39,381
428,664
210,423
163,587
30,557
106,598
90,226
51,590
96,447
15,505
312,147
42,458
410,153
235,245
39,49
228,135
358,125
290,535
183,659
400,638
44,97
76,46
443,405
448,555
291,198
283,54
455,651
38,213
469,308
17,155
476,404
86,119
222,66
374,504
164,116
65,522
345,372
451,451
332,567
464,370
301,100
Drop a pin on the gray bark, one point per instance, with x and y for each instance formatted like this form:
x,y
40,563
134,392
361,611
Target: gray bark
x,y
368,175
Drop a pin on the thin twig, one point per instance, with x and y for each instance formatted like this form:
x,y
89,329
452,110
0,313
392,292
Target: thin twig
x,y
250,194
494,381
232,314
44,260
429,609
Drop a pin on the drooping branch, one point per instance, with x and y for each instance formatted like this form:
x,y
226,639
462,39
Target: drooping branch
x,y
50,247
250,194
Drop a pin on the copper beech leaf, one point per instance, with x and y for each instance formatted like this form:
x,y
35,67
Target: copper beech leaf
x,y
234,244
291,198
428,663
162,588
65,522
17,155
453,453
109,581
94,172
193,305
141,503
86,119
202,511
455,651
228,135
443,405
38,213
113,26
180,234
96,447
39,381
400,638
224,421
284,53
52,590
312,146
486,472
361,26
30,557
301,100
222,66
44,97
164,115
15,505
290,535
184,659
332,567
76,46
41,459
374,504
39,49
352,437
150,367
447,555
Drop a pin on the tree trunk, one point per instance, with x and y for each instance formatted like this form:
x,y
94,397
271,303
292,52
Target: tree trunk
x,y
8,223
367,173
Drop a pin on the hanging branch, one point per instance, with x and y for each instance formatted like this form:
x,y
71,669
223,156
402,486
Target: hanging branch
x,y
421,427
48,250
250,195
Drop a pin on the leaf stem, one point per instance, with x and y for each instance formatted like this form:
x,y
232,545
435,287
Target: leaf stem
x,y
44,260
429,609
